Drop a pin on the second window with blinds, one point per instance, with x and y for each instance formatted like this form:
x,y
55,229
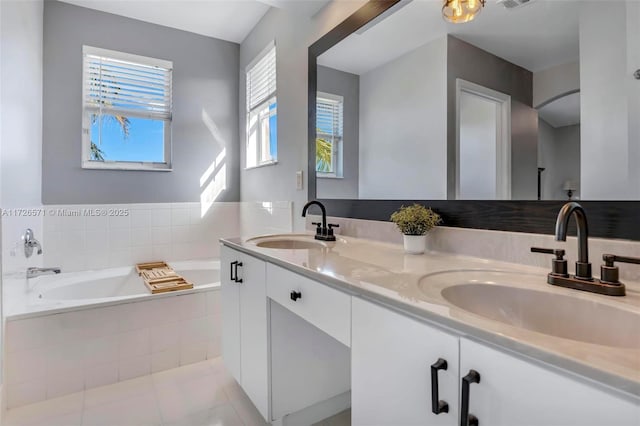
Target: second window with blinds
x,y
329,125
126,118
262,110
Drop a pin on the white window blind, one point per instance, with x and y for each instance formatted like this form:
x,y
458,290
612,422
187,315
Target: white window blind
x,y
329,117
261,79
132,85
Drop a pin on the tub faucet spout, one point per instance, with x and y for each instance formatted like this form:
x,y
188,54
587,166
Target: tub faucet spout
x,y
36,272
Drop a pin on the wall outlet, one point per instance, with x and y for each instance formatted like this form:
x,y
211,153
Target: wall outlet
x,y
299,182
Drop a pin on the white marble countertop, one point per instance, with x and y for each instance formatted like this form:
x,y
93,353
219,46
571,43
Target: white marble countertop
x,y
385,274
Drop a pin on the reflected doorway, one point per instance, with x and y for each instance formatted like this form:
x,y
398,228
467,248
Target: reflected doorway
x,y
483,143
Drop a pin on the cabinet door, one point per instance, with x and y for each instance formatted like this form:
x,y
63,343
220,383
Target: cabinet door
x,y
230,302
391,358
514,392
254,326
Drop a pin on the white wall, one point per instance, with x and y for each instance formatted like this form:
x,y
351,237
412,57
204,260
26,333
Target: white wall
x,y
21,101
292,34
610,106
403,153
555,81
21,35
559,154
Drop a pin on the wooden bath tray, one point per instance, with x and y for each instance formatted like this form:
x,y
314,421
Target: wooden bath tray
x,y
164,285
159,277
151,265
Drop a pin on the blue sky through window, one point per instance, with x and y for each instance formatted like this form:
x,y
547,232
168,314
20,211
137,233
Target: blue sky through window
x,y
145,142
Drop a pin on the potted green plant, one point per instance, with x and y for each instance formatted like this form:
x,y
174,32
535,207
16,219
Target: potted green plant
x,y
414,222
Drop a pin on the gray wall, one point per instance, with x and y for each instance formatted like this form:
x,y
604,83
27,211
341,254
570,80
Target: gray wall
x,y
473,64
346,85
205,86
559,154
524,152
403,154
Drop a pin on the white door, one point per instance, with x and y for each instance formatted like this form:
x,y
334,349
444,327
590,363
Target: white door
x,y
483,143
513,392
391,358
230,312
254,328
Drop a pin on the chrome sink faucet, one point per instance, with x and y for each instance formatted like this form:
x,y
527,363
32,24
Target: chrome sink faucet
x,y
608,283
36,272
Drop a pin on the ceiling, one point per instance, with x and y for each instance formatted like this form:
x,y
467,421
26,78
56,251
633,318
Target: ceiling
x,y
537,36
564,111
230,20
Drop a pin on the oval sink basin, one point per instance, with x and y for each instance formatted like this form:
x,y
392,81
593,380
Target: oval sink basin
x,y
549,313
288,242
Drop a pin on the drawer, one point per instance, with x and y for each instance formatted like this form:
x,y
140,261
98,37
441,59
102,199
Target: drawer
x,y
324,307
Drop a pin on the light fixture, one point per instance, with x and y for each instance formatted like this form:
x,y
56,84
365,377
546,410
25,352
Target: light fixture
x,y
461,11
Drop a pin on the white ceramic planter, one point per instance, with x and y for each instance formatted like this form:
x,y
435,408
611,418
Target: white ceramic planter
x,y
415,244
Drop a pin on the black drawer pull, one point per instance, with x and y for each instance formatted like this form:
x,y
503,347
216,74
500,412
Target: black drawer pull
x,y
295,295
231,273
437,406
467,419
236,279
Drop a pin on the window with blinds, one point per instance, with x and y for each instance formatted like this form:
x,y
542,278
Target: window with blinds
x,y
262,109
127,110
329,132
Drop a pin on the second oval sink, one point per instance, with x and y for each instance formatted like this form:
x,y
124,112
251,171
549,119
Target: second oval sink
x,y
549,313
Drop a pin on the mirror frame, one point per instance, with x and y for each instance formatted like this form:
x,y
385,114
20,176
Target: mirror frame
x,y
608,219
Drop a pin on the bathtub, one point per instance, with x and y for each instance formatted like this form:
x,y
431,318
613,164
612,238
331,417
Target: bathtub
x,y
94,328
71,290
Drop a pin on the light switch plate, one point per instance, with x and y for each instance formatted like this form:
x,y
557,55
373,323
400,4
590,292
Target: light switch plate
x,y
299,180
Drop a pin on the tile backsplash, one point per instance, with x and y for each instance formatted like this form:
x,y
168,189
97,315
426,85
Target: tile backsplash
x,y
85,237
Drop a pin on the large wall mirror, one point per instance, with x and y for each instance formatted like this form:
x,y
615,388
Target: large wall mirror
x,y
530,101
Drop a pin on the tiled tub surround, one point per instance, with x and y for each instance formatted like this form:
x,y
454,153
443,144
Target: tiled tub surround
x,y
384,273
513,247
56,354
55,347
76,241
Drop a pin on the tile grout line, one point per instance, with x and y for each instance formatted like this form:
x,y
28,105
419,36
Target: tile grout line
x,y
157,398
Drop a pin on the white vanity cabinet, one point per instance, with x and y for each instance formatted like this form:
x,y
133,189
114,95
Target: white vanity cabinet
x,y
391,358
391,385
245,325
513,392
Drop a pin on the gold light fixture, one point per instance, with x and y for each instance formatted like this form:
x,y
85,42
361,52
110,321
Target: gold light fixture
x,y
461,11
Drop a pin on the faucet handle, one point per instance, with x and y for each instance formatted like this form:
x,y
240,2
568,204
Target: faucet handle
x,y
609,273
559,264
558,253
330,228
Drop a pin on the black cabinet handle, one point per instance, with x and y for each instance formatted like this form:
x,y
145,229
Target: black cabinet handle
x,y
437,406
231,273
295,295
236,279
467,419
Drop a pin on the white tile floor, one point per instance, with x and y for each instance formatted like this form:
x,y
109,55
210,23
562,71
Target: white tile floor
x,y
202,394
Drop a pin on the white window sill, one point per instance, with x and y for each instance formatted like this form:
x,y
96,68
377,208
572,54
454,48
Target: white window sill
x,y
270,163
116,165
321,176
